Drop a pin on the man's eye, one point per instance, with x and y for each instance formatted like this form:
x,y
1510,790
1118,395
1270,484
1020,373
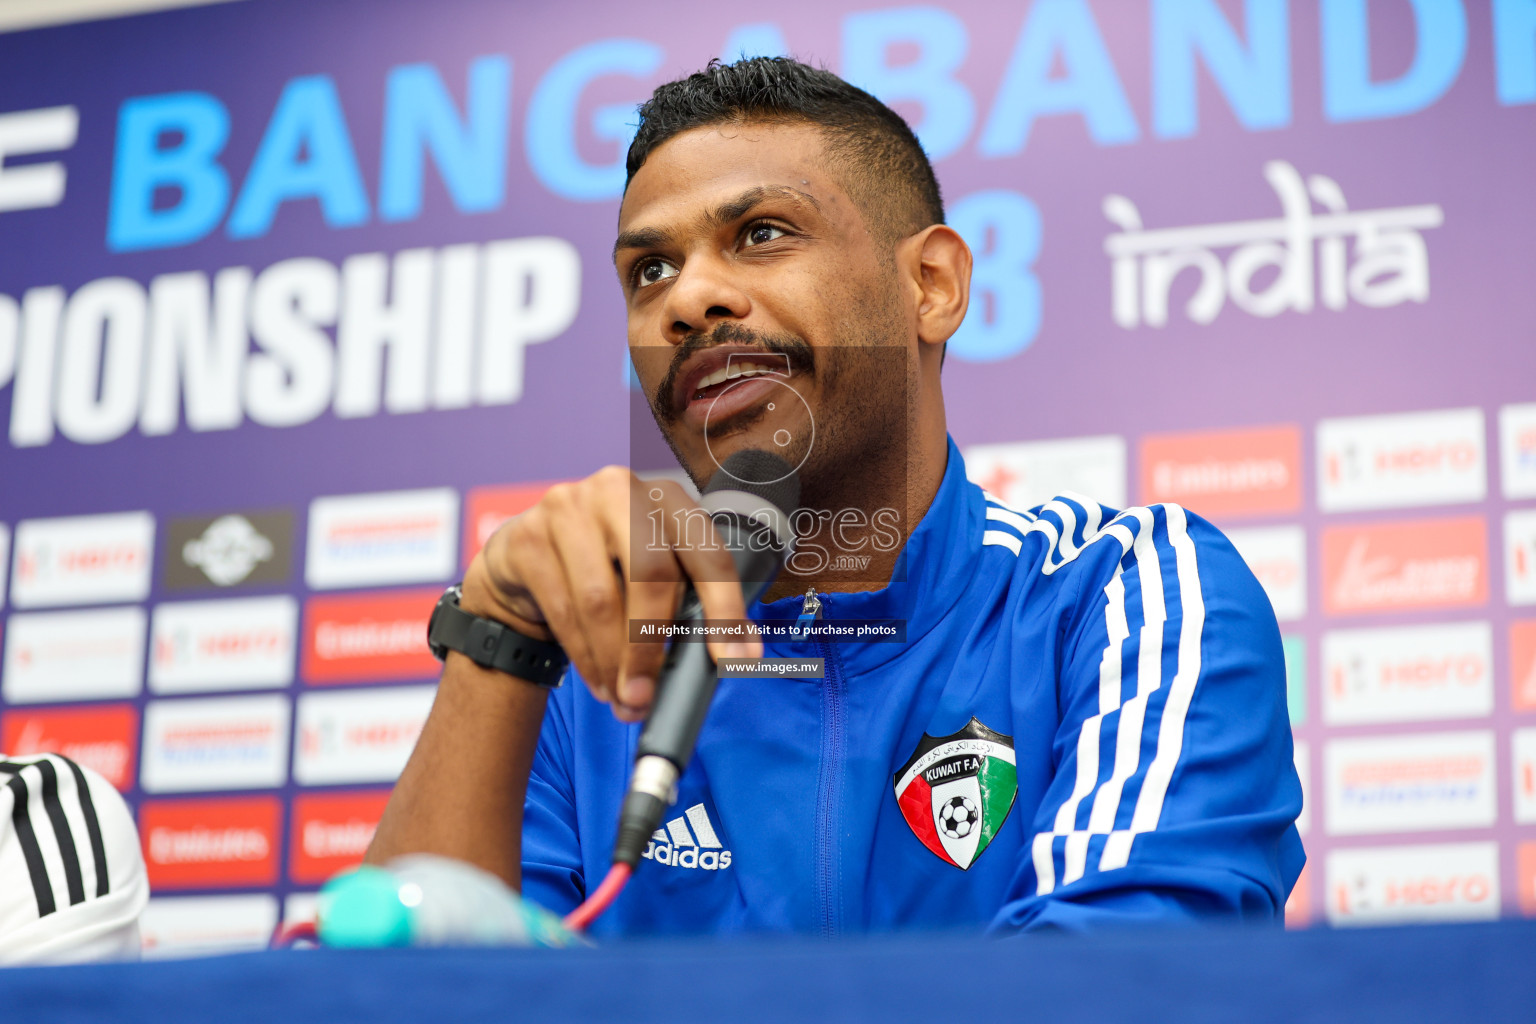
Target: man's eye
x,y
763,233
652,271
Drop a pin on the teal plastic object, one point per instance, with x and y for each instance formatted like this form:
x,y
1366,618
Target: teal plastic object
x,y
361,909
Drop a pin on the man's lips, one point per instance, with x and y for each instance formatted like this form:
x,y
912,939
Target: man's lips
x,y
720,402
721,357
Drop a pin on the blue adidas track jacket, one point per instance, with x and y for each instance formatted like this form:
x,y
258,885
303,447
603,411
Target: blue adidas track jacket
x,y
1086,726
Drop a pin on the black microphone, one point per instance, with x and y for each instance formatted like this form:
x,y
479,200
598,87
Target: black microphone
x,y
750,501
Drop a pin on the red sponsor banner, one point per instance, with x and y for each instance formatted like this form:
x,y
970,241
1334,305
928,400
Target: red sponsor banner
x,y
1225,473
1525,871
368,638
1522,665
488,507
1430,563
331,832
1298,907
211,843
104,738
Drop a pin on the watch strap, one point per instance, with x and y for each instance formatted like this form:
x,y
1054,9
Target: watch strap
x,y
494,645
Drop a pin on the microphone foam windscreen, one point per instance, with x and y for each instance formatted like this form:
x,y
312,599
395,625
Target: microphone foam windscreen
x,y
761,474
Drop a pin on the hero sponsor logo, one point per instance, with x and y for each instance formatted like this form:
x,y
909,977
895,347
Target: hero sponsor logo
x,y
1277,555
1030,473
364,540
1225,473
689,841
102,738
1408,673
1517,450
486,508
359,735
369,637
331,832
85,655
211,843
234,550
1410,783
455,323
83,560
1522,665
215,743
1523,757
234,644
1434,563
1426,458
178,926
1520,556
1405,884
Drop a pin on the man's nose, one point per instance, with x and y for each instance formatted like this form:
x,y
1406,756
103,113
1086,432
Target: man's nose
x,y
702,295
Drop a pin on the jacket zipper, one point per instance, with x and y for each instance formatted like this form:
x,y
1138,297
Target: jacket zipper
x,y
828,818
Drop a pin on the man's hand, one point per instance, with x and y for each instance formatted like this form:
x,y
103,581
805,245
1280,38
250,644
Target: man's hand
x,y
595,554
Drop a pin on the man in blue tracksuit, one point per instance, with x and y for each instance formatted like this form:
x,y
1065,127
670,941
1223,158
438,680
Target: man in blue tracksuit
x,y
1085,721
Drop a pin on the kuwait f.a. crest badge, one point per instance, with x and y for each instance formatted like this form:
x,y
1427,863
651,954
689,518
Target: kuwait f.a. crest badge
x,y
956,791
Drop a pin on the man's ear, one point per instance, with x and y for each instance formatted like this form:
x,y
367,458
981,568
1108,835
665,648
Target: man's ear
x,y
939,269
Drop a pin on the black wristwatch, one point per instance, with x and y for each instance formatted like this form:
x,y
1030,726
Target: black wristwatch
x,y
492,644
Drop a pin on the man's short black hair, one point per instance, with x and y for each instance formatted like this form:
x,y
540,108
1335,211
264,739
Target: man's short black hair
x,y
878,159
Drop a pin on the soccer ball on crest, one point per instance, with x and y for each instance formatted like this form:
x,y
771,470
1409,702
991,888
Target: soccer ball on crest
x,y
958,818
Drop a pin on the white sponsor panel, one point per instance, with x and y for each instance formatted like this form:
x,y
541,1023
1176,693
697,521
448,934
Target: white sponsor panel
x,y
1523,751
365,540
359,735
1406,884
1410,783
1032,472
1408,673
300,907
5,558
1304,771
215,743
1422,458
1278,557
1517,450
83,560
232,644
181,926
1520,556
86,655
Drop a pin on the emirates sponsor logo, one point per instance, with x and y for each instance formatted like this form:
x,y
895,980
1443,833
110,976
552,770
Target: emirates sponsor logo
x,y
208,846
337,839
1213,477
368,639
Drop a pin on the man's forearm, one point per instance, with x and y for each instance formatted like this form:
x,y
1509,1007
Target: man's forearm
x,y
461,794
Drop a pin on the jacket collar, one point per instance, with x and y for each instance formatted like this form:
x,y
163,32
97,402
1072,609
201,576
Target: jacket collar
x,y
934,568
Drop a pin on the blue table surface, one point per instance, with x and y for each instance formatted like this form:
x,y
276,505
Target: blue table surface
x,y
1482,972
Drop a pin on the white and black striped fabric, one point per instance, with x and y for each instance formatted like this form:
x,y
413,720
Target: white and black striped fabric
x,y
72,879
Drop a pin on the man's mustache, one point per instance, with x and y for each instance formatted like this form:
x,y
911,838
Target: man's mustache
x,y
796,350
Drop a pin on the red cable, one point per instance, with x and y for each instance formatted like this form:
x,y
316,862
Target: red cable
x,y
287,934
578,919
